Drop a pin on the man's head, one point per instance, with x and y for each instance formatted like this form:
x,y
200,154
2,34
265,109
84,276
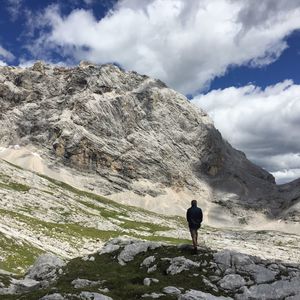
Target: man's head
x,y
194,202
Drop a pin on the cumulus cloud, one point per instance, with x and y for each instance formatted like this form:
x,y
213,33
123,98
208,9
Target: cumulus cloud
x,y
262,123
184,43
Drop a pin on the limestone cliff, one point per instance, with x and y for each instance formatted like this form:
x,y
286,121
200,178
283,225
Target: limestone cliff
x,y
135,139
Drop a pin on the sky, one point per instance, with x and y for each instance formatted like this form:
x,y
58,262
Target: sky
x,y
238,60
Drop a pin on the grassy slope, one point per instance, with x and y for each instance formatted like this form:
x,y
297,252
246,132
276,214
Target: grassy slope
x,y
16,257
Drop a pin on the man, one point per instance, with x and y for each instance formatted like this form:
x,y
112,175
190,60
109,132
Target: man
x,y
194,217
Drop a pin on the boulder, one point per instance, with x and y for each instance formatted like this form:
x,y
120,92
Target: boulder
x,y
198,295
180,264
232,282
45,268
172,290
93,296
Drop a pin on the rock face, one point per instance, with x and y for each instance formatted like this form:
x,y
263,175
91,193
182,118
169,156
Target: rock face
x,y
127,129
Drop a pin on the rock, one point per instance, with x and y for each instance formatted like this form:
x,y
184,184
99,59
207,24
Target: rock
x,y
147,281
152,269
198,295
131,250
148,261
204,264
275,291
93,296
210,285
172,290
232,282
229,271
45,267
240,259
25,285
260,273
295,297
109,248
55,296
81,283
214,278
180,264
223,259
105,290
153,295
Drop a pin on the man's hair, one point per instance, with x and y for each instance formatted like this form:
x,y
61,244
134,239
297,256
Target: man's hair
x,y
194,202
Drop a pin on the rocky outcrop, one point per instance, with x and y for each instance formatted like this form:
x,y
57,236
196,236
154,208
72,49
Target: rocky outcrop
x,y
221,275
127,128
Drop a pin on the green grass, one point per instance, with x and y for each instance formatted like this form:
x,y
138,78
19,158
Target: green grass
x,y
16,255
120,209
126,282
61,231
10,185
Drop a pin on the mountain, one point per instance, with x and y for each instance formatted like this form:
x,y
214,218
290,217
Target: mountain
x,y
83,152
131,138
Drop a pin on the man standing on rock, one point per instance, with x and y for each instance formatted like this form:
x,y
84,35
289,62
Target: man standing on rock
x,y
194,217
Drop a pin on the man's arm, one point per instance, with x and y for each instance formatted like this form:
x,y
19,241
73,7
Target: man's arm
x,y
201,216
188,217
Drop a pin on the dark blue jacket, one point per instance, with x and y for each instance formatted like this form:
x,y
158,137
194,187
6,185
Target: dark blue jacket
x,y
194,217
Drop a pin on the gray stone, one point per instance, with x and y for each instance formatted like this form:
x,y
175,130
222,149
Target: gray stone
x,y
198,295
231,282
275,291
172,290
81,283
180,264
131,250
153,295
109,248
148,261
240,259
93,296
295,297
260,273
209,284
152,269
25,285
147,281
214,278
45,267
229,271
55,296
223,259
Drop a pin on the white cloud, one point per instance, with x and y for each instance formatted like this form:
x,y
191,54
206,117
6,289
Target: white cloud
x,y
2,63
14,8
5,54
262,123
287,175
24,63
184,43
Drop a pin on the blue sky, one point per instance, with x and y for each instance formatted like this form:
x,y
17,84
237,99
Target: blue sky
x,y
287,66
238,60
